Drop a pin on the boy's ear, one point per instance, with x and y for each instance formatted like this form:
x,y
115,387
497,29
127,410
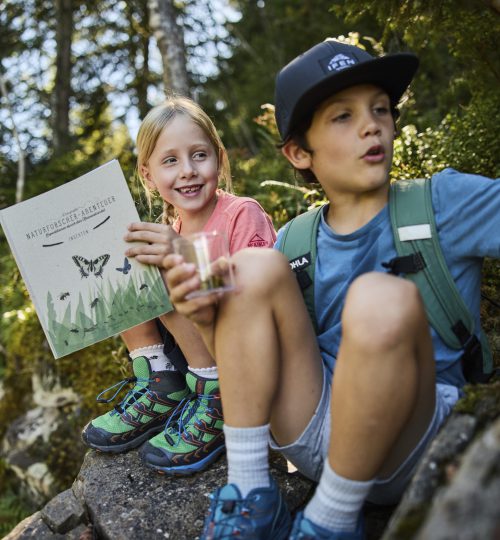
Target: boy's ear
x,y
296,155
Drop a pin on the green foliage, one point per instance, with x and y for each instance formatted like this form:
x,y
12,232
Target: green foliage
x,y
269,178
266,37
466,140
13,507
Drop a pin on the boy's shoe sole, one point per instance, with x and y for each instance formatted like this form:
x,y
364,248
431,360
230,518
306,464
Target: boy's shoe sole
x,y
304,529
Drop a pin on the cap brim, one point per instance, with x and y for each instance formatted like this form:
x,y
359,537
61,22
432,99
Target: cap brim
x,y
392,73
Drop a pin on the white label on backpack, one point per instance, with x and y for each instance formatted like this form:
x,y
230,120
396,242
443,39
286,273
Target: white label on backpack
x,y
414,232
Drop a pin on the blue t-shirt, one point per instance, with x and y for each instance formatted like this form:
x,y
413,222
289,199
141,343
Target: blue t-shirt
x,y
467,213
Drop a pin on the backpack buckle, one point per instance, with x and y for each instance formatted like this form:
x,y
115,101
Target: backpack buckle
x,y
408,264
472,347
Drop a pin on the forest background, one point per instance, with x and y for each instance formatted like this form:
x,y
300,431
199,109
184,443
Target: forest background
x,y
77,77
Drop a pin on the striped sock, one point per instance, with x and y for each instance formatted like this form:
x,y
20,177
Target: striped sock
x,y
247,457
337,501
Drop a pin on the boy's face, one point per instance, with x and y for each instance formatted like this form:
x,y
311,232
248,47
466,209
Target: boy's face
x,y
351,138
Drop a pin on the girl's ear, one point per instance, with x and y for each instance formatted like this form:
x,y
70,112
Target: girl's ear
x,y
147,178
296,155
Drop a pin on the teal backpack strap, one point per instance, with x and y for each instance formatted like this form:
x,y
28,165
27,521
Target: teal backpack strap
x,y
421,260
299,245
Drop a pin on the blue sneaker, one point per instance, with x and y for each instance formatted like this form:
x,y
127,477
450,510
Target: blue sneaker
x,y
304,529
261,515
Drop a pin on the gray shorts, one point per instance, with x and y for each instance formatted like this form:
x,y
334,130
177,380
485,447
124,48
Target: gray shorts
x,y
308,452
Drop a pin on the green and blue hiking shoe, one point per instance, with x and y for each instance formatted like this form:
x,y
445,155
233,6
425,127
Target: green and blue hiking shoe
x,y
261,515
193,437
142,413
304,529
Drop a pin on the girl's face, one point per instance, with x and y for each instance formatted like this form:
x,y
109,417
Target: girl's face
x,y
183,167
351,138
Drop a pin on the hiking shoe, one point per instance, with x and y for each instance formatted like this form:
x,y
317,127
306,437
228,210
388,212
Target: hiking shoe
x,y
193,437
304,529
141,413
261,515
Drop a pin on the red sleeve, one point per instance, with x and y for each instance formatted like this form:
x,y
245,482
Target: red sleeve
x,y
250,227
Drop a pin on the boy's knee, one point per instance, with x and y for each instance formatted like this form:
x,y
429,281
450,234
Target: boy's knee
x,y
260,270
381,309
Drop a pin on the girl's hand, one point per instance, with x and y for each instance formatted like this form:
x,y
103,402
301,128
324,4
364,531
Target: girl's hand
x,y
156,242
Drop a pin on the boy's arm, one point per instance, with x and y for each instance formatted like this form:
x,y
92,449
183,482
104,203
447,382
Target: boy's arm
x,y
467,210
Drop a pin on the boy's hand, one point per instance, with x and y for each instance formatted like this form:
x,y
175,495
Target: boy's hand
x,y
157,242
181,279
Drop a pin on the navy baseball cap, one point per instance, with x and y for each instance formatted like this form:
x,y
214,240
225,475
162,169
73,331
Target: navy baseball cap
x,y
332,66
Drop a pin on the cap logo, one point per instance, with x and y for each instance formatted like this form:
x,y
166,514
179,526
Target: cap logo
x,y
340,62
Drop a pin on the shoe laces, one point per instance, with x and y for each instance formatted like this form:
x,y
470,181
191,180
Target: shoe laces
x,y
188,407
139,389
230,530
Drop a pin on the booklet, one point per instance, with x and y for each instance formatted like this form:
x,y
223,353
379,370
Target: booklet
x,y
68,244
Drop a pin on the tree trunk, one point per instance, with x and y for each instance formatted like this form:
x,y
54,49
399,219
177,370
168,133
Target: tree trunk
x,y
170,38
62,89
21,168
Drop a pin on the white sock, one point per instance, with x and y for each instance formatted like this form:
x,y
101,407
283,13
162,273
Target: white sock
x,y
158,360
247,457
337,501
206,372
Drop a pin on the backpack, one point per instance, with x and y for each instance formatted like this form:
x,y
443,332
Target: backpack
x,y
419,259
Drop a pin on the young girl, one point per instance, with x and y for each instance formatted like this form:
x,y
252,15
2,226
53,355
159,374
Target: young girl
x,y
182,158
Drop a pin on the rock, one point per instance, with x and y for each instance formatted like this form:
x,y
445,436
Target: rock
x,y
63,512
137,502
468,508
33,527
121,499
454,494
453,437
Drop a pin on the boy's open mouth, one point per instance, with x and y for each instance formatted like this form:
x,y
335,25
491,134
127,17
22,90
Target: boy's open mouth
x,y
375,153
375,150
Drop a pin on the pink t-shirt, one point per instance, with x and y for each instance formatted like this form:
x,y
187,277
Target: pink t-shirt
x,y
242,219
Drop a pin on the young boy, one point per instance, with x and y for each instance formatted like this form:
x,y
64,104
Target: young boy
x,y
354,406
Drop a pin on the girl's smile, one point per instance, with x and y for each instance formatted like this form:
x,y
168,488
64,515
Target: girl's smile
x,y
183,168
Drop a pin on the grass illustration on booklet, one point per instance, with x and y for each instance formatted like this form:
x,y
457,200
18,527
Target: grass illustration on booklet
x,y
105,313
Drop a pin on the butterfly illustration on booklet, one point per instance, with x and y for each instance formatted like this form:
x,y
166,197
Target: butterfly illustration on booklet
x,y
93,267
126,267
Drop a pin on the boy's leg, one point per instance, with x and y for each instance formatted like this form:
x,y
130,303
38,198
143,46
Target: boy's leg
x,y
271,373
266,349
383,396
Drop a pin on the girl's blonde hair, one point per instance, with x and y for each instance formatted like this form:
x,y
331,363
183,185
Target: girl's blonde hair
x,y
153,125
